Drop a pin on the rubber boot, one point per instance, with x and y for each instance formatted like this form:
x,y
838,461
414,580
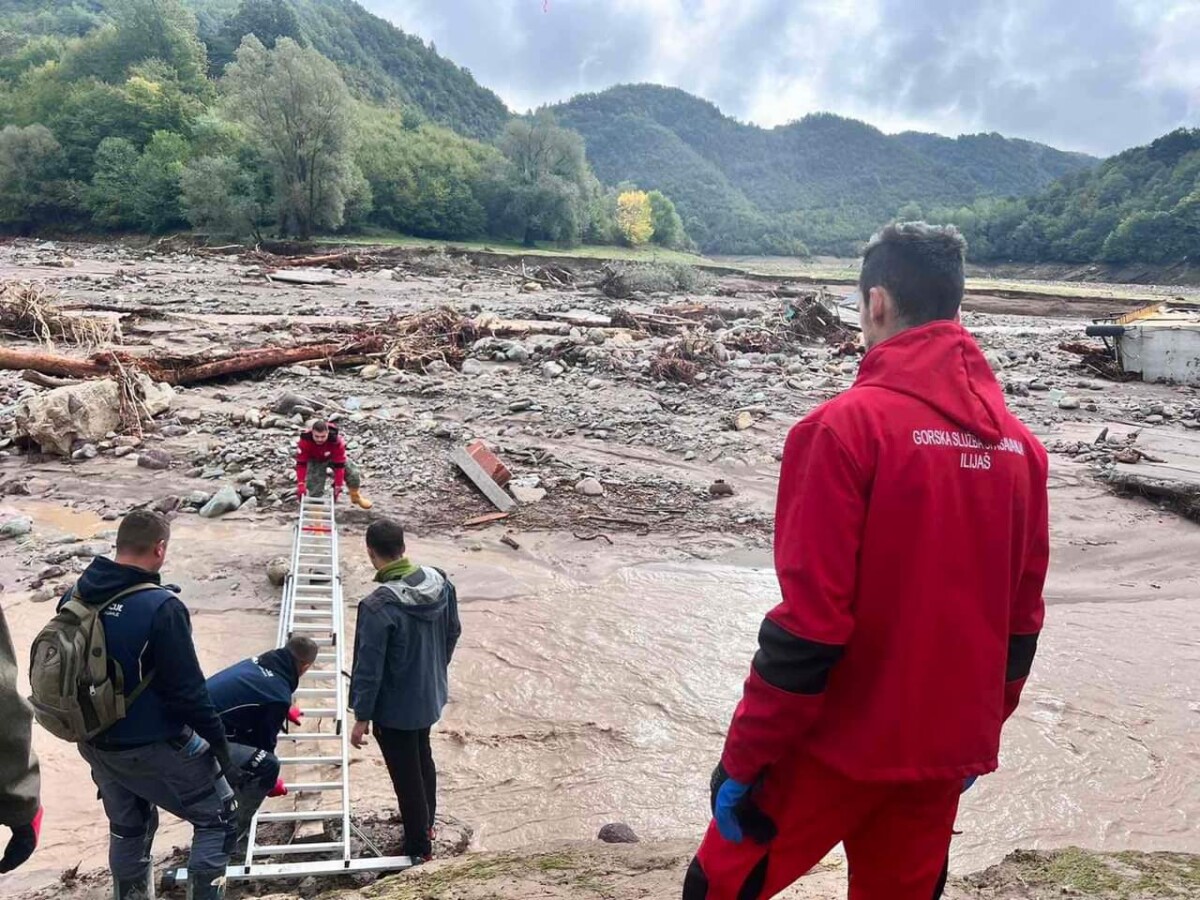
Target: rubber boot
x,y
140,888
357,498
206,885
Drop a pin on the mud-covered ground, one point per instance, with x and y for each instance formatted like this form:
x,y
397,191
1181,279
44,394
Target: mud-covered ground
x,y
602,653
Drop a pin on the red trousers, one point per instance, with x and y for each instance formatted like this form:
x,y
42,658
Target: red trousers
x,y
896,836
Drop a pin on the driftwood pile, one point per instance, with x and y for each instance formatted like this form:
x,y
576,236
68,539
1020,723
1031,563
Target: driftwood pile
x,y
28,310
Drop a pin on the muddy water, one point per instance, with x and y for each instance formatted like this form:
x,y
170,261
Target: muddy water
x,y
594,683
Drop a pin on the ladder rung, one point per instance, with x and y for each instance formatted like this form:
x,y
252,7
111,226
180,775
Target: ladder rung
x,y
316,815
320,673
311,613
277,849
315,787
322,713
300,736
316,692
310,760
310,628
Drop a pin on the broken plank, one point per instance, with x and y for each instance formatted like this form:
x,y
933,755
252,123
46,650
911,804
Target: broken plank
x,y
496,494
485,519
300,276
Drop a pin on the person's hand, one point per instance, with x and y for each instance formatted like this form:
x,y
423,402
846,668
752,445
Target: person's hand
x,y
280,789
359,733
301,490
729,797
337,494
21,845
295,716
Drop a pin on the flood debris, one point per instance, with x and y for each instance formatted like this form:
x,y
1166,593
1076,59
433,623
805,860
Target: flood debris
x,y
28,310
486,472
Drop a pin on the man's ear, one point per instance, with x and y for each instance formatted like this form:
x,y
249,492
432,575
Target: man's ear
x,y
879,305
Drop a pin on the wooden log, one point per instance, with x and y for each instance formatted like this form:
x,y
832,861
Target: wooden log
x,y
51,363
269,358
47,381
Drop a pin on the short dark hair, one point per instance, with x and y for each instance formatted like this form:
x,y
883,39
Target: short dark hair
x,y
320,426
303,649
386,538
141,530
920,265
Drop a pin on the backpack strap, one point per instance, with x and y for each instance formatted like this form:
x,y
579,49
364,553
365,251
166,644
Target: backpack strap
x,y
76,601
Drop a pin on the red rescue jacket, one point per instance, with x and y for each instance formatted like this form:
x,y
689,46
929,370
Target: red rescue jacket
x,y
333,452
911,545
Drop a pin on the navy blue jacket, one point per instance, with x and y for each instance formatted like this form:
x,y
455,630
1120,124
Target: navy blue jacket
x,y
403,642
151,631
253,698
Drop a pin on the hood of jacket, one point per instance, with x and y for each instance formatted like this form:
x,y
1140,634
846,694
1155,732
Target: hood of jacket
x,y
421,594
104,578
941,365
283,664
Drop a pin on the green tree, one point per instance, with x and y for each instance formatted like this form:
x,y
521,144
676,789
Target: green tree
x,y
156,197
296,109
668,227
546,187
267,20
635,218
111,197
33,192
141,30
222,197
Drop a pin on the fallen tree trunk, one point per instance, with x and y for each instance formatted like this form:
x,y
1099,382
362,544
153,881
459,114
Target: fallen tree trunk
x,y
51,363
268,358
47,381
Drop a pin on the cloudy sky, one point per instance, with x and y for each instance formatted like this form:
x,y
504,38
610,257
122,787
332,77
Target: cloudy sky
x,y
1091,75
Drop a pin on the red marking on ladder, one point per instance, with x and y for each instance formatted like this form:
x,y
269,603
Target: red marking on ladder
x,y
317,529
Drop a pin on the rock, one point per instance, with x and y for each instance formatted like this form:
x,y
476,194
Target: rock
x,y
742,363
211,473
50,572
155,460
743,420
226,500
246,492
520,405
552,369
249,506
121,452
617,833
1155,420
172,431
17,527
589,487
597,336
197,498
167,504
526,494
1069,402
595,384
85,412
517,353
1036,385
720,488
286,403
1170,411
87,451
370,373
127,440
689,455
531,287
43,594
188,417
278,570
996,359
253,418
472,367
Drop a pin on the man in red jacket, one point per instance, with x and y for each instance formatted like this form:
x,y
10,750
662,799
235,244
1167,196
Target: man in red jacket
x,y
911,545
321,449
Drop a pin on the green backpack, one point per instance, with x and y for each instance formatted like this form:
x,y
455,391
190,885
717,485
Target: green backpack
x,y
77,692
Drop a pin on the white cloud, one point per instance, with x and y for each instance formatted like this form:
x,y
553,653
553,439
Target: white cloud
x,y
1095,75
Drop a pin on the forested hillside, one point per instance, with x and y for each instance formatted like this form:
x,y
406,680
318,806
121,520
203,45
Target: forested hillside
x,y
825,180
1142,205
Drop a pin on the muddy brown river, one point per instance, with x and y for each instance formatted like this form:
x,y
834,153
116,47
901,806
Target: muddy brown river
x,y
593,683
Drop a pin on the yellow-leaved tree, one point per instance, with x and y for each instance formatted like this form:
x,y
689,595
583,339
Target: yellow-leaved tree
x,y
635,218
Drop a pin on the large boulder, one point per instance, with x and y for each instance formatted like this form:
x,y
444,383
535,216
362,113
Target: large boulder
x,y
226,500
86,412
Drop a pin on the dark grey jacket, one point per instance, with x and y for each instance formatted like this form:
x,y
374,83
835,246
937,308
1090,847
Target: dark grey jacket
x,y
405,637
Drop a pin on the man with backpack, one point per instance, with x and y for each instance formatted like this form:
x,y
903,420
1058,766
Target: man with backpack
x,y
130,692
20,809
404,639
254,700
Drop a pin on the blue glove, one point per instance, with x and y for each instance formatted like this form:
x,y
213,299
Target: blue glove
x,y
967,782
729,797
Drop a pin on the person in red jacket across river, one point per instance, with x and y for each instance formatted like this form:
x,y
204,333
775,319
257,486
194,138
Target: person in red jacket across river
x,y
321,449
911,546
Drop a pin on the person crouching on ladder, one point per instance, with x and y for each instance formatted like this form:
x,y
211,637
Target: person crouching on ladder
x,y
321,448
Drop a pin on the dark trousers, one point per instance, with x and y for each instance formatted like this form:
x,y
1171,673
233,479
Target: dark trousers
x,y
409,760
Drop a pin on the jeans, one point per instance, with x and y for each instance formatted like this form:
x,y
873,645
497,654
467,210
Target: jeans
x,y
409,760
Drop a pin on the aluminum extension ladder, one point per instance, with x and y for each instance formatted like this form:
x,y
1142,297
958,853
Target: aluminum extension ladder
x,y
314,763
